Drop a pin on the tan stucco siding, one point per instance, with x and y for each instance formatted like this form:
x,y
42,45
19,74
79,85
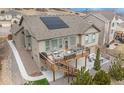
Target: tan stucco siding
x,y
35,51
42,47
19,39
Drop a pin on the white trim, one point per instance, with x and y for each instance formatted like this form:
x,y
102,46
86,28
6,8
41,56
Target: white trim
x,y
22,69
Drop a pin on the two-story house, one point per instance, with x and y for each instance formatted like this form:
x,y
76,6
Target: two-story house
x,y
48,33
108,21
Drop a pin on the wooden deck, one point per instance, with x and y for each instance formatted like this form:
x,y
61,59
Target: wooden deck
x,y
63,64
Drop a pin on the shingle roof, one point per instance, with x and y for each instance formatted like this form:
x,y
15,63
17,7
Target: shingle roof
x,y
15,28
38,29
100,16
107,14
11,12
97,19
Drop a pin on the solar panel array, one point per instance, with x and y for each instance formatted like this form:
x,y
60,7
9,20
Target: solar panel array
x,y
54,22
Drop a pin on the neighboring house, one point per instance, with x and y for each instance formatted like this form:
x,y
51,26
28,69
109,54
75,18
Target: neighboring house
x,y
7,18
108,21
53,33
101,22
119,34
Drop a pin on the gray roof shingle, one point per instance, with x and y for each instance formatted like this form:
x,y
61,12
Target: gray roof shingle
x,y
107,14
39,30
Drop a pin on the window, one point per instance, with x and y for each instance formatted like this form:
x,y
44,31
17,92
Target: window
x,y
60,43
94,37
86,38
54,44
47,45
90,38
113,24
72,40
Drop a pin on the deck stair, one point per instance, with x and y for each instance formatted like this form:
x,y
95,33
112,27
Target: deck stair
x,y
62,66
70,70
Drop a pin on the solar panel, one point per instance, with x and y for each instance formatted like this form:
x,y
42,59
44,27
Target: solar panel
x,y
54,22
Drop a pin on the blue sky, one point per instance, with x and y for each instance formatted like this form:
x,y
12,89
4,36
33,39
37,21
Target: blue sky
x,y
118,10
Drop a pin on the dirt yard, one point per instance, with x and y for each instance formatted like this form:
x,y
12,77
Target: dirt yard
x,y
4,72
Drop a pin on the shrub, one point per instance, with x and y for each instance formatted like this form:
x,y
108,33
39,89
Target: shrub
x,y
97,60
83,77
116,71
101,78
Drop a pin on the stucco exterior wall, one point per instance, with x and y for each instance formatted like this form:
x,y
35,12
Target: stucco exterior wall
x,y
35,52
42,46
19,39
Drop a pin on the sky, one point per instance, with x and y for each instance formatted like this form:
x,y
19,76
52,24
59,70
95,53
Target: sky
x,y
118,10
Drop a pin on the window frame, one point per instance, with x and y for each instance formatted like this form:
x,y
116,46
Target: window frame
x,y
90,38
72,41
47,48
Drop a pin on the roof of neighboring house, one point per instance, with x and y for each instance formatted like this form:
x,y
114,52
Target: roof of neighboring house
x,y
100,16
38,29
15,28
97,19
107,14
11,12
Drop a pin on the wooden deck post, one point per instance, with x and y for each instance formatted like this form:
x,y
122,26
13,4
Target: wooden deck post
x,y
68,72
53,69
76,63
85,61
54,77
72,74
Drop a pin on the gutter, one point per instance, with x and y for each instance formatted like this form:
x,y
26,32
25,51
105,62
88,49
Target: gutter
x,y
21,67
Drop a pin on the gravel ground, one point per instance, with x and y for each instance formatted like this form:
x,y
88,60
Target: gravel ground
x,y
5,73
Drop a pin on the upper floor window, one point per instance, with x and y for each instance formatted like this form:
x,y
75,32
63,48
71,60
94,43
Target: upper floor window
x,y
60,43
90,38
94,37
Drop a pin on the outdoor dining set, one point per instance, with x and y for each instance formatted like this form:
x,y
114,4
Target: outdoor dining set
x,y
60,55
